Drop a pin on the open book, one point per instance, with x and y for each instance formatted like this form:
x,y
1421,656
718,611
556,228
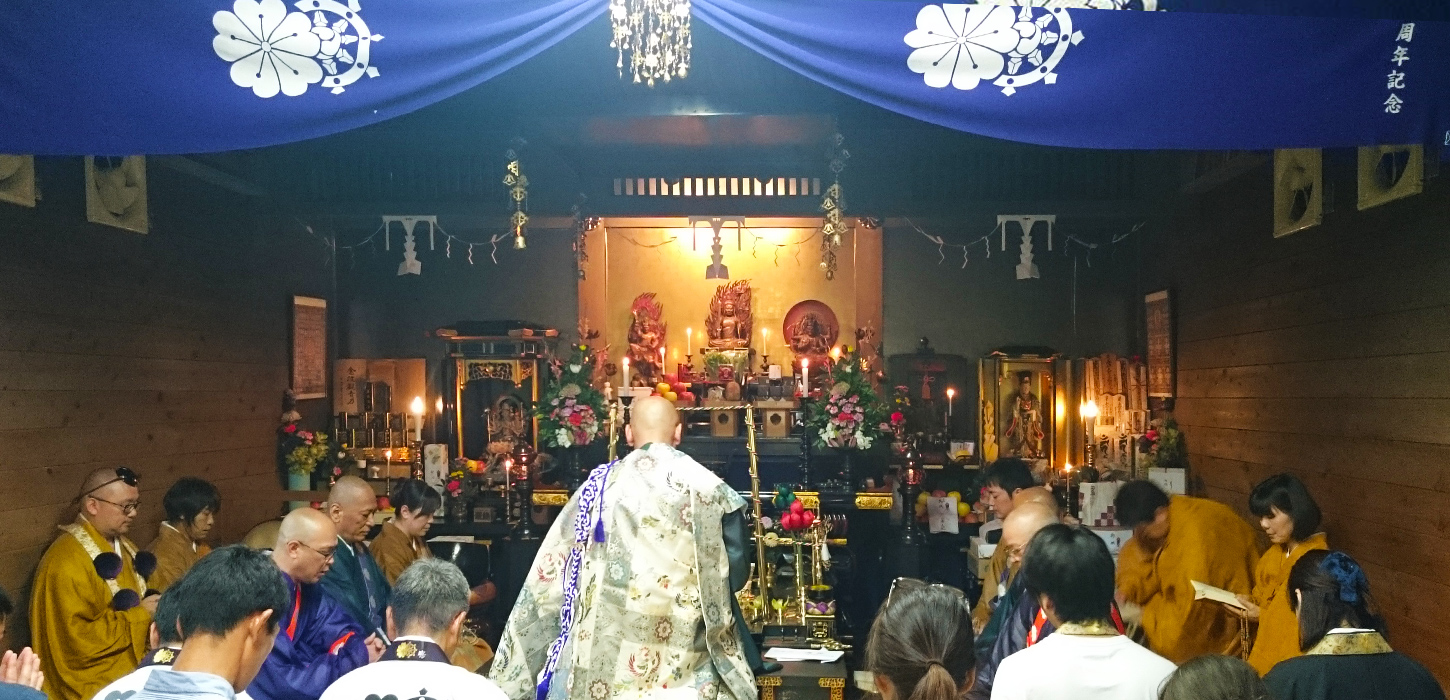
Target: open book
x,y
1203,591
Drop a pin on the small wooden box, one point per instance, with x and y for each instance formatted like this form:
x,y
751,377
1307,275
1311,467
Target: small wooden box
x,y
775,416
723,423
804,680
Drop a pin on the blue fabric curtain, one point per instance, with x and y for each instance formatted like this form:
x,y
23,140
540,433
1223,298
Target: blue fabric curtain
x,y
114,77
182,76
1115,79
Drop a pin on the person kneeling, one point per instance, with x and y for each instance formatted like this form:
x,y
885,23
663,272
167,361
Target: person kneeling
x,y
425,617
1070,572
227,608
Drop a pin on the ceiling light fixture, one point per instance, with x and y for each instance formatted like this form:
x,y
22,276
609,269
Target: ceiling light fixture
x,y
655,34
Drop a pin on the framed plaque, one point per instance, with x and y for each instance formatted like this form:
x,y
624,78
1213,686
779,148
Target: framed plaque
x,y
309,347
1158,310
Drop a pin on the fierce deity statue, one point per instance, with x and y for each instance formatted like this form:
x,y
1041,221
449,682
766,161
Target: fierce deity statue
x,y
729,322
646,335
811,336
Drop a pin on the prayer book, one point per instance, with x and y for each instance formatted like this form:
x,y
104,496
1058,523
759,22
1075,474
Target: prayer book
x,y
1203,591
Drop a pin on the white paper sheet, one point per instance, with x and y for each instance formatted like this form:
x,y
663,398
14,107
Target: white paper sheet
x,y
1203,591
824,656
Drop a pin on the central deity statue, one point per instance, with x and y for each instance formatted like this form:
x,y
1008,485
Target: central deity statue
x,y
729,322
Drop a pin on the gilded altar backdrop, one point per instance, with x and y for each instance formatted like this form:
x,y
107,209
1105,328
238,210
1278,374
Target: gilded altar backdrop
x,y
631,256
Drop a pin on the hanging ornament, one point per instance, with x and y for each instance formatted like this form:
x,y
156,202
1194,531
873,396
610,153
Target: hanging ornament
x,y
655,34
582,226
833,206
411,265
1026,269
518,185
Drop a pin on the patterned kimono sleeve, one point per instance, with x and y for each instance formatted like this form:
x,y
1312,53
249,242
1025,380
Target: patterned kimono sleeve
x,y
722,639
534,623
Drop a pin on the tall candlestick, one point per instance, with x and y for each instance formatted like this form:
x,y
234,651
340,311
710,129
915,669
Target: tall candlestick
x,y
418,409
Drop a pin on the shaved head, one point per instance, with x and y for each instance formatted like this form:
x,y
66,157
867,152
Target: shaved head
x,y
351,505
1037,494
107,502
653,419
306,540
101,476
305,525
1024,522
350,490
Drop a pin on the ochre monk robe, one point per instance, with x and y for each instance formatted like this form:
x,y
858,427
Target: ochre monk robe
x,y
1278,637
1175,542
394,550
175,555
89,612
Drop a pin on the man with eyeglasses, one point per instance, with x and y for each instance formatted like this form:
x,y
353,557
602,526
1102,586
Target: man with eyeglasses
x,y
317,641
90,607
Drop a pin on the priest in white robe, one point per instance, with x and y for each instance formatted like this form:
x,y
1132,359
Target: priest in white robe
x,y
425,618
628,596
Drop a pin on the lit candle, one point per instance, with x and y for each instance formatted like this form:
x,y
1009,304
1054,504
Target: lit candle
x,y
951,394
836,353
624,381
764,341
689,334
662,359
418,409
805,375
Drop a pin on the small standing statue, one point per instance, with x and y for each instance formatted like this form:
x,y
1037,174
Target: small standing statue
x,y
1024,434
646,335
729,322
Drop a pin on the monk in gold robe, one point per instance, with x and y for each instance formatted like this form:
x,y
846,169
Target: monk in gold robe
x,y
1177,541
191,506
90,609
1289,515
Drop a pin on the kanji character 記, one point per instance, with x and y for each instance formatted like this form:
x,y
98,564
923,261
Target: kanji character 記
x,y
1396,81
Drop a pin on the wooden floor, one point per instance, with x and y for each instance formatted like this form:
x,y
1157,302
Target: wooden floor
x,y
1327,354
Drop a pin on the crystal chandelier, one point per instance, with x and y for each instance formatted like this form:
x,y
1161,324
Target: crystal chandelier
x,y
655,34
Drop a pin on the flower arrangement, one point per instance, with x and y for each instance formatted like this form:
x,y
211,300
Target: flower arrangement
x,y
572,413
1163,444
849,415
309,450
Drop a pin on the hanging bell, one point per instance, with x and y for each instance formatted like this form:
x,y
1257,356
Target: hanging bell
x,y
519,242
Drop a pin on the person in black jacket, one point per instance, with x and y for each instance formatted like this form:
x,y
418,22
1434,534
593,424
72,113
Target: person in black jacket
x,y
1013,618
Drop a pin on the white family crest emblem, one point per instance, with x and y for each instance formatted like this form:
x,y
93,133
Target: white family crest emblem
x,y
962,45
276,51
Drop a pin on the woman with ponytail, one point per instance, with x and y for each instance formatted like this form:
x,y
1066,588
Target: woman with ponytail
x,y
1342,636
920,646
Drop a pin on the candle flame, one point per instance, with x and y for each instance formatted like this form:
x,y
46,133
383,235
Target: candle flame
x,y
417,405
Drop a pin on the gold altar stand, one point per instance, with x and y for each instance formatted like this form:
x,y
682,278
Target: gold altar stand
x,y
804,680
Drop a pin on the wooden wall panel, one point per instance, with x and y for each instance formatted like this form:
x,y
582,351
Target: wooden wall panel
x,y
166,352
1326,354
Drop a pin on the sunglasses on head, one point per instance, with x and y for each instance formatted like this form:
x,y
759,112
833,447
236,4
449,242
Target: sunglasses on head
x,y
123,474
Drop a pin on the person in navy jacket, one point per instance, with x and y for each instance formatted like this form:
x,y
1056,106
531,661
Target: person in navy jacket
x,y
317,641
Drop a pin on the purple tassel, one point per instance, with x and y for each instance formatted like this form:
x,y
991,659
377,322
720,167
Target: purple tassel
x,y
145,563
108,565
124,600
